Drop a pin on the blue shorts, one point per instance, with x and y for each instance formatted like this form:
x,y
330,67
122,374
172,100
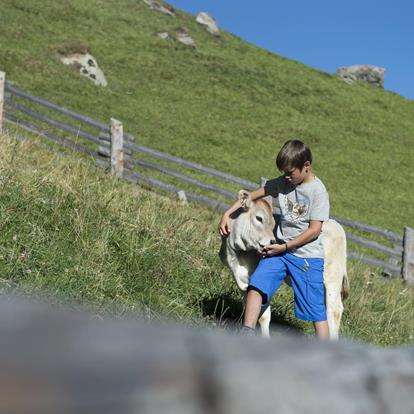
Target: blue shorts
x,y
306,278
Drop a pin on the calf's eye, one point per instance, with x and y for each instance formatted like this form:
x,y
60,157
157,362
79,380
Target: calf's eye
x,y
258,218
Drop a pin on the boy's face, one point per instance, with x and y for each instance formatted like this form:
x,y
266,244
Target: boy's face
x,y
296,175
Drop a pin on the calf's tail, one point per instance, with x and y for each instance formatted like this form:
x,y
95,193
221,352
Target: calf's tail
x,y
345,286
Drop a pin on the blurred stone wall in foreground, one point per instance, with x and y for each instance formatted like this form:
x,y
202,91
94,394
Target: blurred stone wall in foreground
x,y
53,361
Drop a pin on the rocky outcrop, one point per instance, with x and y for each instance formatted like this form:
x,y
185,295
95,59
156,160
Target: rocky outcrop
x,y
371,74
183,37
208,22
87,66
157,6
164,36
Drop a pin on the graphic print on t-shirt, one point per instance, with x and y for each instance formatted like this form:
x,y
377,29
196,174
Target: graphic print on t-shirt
x,y
293,212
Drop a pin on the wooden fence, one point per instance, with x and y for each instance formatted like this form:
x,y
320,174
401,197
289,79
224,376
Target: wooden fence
x,y
113,148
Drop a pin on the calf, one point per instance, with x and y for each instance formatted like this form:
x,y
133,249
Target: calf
x,y
252,228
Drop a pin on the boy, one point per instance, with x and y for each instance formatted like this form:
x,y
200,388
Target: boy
x,y
304,205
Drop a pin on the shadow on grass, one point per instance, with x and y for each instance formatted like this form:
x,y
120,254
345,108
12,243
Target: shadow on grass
x,y
227,312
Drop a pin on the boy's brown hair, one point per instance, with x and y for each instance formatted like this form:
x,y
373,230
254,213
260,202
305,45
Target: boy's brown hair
x,y
293,154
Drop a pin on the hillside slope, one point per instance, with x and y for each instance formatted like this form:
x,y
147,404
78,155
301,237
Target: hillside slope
x,y
226,104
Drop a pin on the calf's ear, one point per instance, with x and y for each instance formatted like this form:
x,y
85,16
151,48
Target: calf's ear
x,y
245,199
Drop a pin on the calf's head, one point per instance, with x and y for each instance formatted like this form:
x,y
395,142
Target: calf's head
x,y
253,227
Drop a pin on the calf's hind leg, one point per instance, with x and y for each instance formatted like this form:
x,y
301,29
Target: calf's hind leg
x,y
334,309
264,321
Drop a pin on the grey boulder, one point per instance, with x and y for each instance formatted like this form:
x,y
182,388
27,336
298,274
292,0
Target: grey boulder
x,y
373,75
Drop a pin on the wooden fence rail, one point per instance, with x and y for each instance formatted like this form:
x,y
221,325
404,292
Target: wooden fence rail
x,y
183,177
79,117
50,136
114,148
387,234
248,185
53,122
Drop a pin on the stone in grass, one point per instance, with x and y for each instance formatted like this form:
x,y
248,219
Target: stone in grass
x,y
183,37
156,5
164,36
208,22
87,66
373,75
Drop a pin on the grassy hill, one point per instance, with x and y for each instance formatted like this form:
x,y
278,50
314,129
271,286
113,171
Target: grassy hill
x,y
226,104
74,232
77,235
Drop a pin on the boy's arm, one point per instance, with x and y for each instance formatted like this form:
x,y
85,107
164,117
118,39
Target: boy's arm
x,y
310,234
224,225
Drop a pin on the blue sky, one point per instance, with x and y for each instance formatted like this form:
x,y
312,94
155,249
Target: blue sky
x,y
325,34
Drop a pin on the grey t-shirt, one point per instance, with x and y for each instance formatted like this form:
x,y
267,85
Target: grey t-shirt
x,y
299,205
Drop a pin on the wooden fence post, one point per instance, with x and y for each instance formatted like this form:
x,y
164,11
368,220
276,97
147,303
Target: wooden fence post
x,y
182,197
2,85
408,256
117,148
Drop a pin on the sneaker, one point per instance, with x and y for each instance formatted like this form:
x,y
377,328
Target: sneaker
x,y
247,331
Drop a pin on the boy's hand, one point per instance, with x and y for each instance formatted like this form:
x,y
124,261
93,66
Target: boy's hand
x,y
272,250
224,225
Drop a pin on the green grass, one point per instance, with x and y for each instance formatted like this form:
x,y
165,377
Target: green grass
x,y
227,104
76,235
